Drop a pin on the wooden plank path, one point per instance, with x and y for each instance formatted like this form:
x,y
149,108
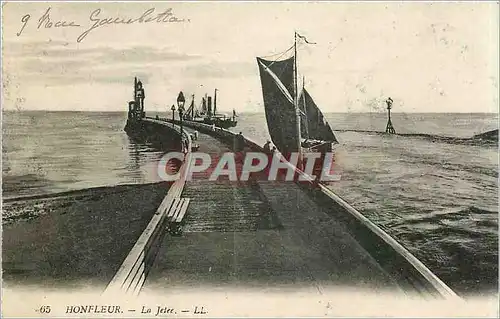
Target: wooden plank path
x,y
268,232
221,205
256,232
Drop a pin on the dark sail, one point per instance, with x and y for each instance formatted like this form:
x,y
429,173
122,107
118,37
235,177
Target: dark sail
x,y
284,71
315,127
277,89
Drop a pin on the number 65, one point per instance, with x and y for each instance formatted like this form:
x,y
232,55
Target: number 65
x,y
45,309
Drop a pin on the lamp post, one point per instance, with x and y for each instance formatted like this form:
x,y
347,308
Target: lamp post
x,y
180,106
173,113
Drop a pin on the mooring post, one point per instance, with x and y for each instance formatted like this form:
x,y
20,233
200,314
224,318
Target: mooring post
x,y
180,119
389,128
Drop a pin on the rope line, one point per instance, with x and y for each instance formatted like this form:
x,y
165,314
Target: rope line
x,y
270,55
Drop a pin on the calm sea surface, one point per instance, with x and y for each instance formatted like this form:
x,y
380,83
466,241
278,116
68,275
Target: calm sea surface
x,y
440,200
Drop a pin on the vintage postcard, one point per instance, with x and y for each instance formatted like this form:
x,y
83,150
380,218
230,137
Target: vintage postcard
x,y
249,159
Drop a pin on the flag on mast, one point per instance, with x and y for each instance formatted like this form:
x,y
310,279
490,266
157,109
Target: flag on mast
x,y
299,79
304,38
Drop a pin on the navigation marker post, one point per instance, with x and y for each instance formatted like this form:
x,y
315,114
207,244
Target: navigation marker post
x,y
389,128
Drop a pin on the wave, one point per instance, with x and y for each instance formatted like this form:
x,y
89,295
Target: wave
x,y
449,224
454,213
456,167
489,138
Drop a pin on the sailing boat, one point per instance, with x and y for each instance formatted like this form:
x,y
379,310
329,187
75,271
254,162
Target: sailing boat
x,y
295,122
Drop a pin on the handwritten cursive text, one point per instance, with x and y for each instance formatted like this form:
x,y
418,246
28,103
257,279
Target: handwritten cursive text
x,y
46,22
98,21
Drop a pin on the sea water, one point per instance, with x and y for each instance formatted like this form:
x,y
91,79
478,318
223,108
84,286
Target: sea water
x,y
439,199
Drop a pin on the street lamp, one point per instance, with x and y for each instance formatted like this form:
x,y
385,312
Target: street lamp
x,y
173,113
180,106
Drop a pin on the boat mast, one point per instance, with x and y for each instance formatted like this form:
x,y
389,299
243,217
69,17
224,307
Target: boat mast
x,y
306,124
295,102
215,102
135,87
192,107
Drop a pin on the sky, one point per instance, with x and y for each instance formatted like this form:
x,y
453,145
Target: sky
x,y
429,57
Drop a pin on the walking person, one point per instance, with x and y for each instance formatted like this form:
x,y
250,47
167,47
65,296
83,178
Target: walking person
x,y
240,142
239,146
267,151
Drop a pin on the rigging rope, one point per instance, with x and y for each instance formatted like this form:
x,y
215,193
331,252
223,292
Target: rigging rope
x,y
270,55
280,55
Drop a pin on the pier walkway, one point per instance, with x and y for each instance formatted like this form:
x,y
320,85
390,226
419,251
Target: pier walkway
x,y
259,233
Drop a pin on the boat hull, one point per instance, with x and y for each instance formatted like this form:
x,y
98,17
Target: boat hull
x,y
221,123
323,158
224,123
321,162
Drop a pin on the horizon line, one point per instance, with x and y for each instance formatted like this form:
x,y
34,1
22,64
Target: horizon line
x,y
239,112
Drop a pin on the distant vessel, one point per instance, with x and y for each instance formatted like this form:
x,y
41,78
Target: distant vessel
x,y
205,114
295,122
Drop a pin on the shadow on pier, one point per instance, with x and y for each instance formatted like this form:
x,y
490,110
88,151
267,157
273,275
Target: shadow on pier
x,y
275,233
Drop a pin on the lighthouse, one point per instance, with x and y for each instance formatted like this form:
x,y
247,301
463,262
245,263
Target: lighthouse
x,y
136,107
389,128
139,98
